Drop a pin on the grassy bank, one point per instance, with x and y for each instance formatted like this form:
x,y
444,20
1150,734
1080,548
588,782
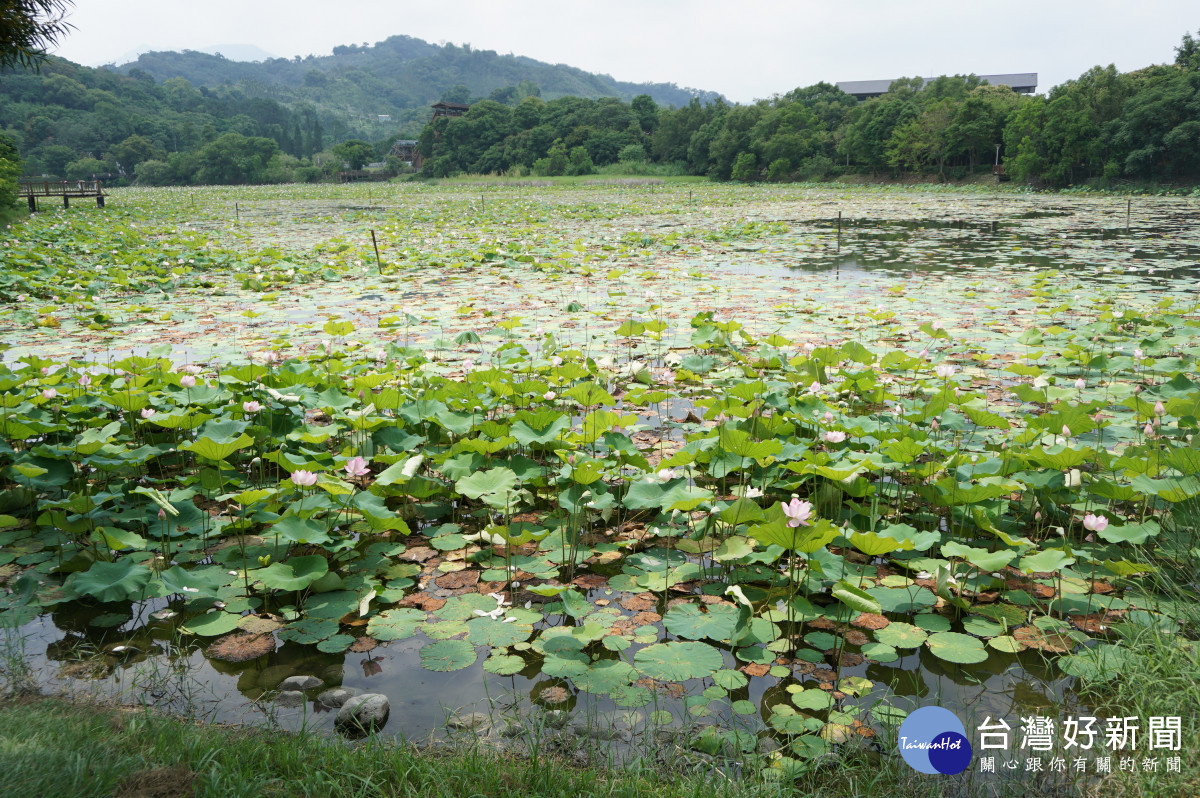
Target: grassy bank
x,y
54,747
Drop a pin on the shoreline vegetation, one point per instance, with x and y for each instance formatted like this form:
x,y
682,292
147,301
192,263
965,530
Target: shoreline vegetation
x,y
1132,131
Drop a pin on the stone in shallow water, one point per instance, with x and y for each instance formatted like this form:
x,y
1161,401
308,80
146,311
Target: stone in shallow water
x,y
337,696
469,720
363,713
290,698
300,683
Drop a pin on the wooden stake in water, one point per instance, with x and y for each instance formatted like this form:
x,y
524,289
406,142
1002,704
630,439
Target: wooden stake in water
x,y
1128,209
237,213
374,243
839,244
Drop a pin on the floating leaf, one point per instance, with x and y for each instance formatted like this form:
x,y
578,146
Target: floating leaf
x,y
677,662
956,647
447,655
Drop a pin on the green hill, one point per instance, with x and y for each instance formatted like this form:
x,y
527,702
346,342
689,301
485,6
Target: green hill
x,y
398,78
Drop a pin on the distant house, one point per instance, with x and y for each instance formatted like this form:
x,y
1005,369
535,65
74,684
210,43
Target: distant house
x,y
384,117
406,150
1020,82
449,109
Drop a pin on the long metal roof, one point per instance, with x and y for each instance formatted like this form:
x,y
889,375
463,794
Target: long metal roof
x,y
1021,82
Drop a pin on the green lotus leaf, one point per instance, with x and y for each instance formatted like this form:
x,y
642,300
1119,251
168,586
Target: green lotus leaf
x,y
881,652
496,633
211,624
981,627
494,481
677,662
956,647
218,449
604,676
902,599
695,621
730,679
295,574
932,623
901,635
1006,643
631,697
854,597
111,581
336,644
397,624
309,630
874,545
447,655
822,641
503,664
293,529
982,559
1046,561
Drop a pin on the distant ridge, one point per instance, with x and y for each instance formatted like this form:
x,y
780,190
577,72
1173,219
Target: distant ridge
x,y
398,74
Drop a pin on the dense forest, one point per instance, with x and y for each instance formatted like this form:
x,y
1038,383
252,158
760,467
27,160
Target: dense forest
x,y
1103,127
196,119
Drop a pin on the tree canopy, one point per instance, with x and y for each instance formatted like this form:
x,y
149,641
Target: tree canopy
x,y
28,27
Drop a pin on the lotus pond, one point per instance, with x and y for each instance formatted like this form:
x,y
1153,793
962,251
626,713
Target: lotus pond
x,y
768,467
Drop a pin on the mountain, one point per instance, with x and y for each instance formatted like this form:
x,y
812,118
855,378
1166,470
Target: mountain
x,y
398,78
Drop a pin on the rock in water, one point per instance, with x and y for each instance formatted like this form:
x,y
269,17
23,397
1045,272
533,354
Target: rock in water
x,y
336,697
300,683
363,714
290,698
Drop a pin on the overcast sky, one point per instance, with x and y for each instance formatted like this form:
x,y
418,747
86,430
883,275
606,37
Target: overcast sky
x,y
745,49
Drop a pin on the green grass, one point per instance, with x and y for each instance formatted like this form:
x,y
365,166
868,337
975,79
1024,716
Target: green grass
x,y
1164,681
54,747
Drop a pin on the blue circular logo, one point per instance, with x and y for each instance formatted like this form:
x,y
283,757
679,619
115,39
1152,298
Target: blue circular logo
x,y
933,740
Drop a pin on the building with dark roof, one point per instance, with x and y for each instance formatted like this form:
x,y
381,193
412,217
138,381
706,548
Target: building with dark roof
x,y
1020,82
449,109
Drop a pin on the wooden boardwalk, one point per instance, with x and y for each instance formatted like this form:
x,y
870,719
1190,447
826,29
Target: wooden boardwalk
x,y
79,189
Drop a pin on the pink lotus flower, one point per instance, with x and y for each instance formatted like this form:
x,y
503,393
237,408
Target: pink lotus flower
x,y
468,364
828,417
556,361
549,396
1159,408
797,512
187,381
147,412
1066,431
1080,384
303,479
834,436
1148,430
85,380
356,467
1095,523
1138,354
251,407
815,386
945,371
49,393
934,425
668,376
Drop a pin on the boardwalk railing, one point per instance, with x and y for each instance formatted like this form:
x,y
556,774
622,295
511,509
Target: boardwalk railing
x,y
64,188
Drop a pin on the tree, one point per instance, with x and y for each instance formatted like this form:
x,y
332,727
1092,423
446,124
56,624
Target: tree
x,y
1187,54
10,170
28,27
355,152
